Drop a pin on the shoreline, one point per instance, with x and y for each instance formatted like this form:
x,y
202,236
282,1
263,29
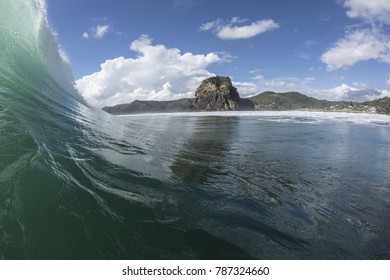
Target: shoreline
x,y
255,113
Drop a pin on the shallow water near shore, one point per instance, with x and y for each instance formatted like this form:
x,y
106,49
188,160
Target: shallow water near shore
x,y
268,185
279,184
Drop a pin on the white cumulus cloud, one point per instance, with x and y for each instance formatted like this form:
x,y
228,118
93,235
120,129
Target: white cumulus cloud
x,y
97,32
357,92
246,89
356,46
346,92
371,10
370,43
157,73
260,84
232,31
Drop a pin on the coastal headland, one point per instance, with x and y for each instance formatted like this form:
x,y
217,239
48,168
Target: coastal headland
x,y
219,94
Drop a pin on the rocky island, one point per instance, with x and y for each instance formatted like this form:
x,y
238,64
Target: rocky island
x,y
219,94
213,94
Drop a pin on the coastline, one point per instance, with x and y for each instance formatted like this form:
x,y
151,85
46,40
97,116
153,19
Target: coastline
x,y
291,116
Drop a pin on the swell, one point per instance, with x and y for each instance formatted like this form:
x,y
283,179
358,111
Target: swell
x,y
42,118
67,187
76,183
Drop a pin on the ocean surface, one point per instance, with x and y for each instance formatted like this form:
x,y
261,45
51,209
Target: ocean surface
x,y
77,183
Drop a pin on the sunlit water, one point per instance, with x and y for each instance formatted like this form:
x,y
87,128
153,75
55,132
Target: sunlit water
x,y
275,185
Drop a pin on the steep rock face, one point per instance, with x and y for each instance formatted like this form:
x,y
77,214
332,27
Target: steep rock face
x,y
246,104
216,94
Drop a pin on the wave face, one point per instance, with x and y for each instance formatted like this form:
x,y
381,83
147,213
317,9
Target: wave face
x,y
76,183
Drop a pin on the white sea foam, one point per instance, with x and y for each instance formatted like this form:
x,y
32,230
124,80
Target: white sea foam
x,y
288,116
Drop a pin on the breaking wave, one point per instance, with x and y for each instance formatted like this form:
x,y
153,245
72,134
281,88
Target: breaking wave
x,y
76,183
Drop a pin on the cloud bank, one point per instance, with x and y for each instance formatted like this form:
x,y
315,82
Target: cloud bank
x,y
157,73
370,43
371,10
233,31
345,92
358,45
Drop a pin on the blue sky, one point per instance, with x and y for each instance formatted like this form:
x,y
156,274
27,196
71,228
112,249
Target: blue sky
x,y
122,50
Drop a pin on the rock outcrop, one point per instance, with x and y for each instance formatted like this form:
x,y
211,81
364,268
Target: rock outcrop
x,y
216,94
268,101
246,104
213,94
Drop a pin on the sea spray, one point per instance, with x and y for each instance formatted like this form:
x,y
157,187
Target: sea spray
x,y
30,51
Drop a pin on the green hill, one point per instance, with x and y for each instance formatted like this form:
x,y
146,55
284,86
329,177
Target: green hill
x,y
270,100
382,105
137,107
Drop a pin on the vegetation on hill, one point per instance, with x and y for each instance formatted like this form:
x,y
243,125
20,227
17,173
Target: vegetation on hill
x,y
296,101
137,107
218,93
382,105
270,100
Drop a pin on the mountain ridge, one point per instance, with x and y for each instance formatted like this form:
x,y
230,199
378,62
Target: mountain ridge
x,y
219,94
265,101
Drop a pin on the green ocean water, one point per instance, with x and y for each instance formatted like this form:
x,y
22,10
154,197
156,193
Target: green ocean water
x,y
76,183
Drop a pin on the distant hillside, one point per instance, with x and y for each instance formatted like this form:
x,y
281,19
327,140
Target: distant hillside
x,y
382,105
270,100
137,107
218,94
296,101
213,94
266,101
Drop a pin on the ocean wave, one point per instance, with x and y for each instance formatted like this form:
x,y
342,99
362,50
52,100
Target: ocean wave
x,y
77,183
